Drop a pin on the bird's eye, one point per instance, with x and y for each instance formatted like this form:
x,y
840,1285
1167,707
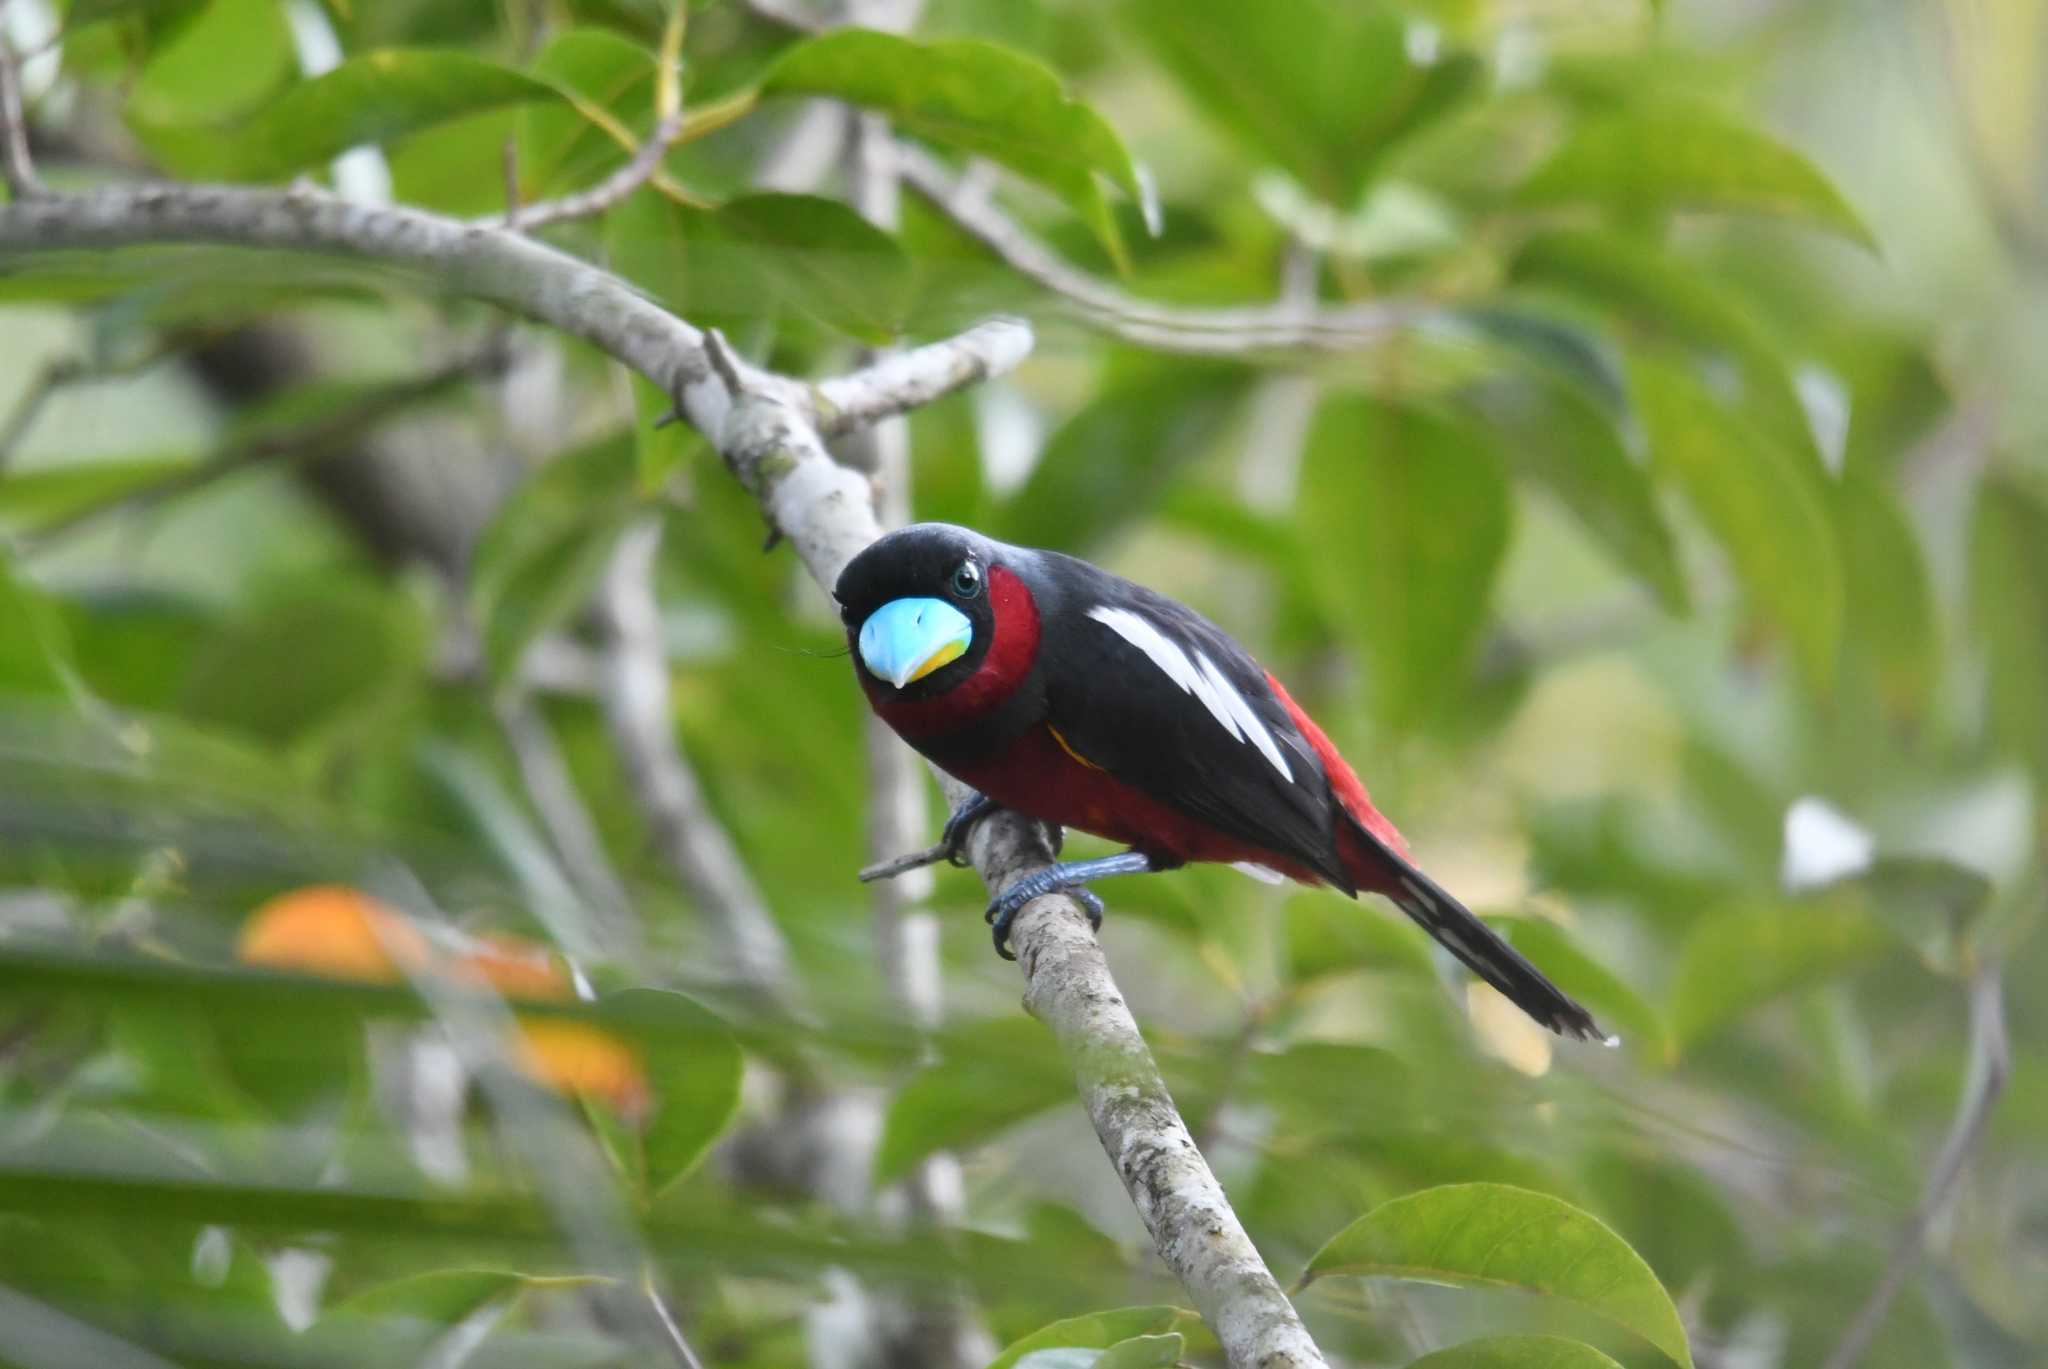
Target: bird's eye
x,y
966,580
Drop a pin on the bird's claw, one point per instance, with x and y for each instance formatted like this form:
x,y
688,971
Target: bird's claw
x,y
959,822
950,847
1004,907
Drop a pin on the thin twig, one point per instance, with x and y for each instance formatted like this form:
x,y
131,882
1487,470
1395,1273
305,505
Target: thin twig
x,y
567,819
514,272
677,1341
62,372
297,444
902,865
605,194
1282,326
513,218
17,168
692,842
1990,1066
54,376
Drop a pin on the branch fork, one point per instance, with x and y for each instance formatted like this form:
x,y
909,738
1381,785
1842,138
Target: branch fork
x,y
770,431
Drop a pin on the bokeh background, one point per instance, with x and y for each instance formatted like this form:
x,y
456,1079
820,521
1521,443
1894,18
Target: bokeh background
x,y
1656,515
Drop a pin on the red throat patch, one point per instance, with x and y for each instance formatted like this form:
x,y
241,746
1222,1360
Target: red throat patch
x,y
1009,659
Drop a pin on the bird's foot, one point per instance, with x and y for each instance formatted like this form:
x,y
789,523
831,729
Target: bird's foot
x,y
951,845
953,836
1067,877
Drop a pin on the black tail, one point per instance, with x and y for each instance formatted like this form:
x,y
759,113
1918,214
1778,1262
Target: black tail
x,y
1477,945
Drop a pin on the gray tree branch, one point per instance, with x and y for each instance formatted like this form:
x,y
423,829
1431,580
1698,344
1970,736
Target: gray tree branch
x,y
634,691
589,203
567,821
1990,1066
1285,325
503,268
769,430
1069,988
16,168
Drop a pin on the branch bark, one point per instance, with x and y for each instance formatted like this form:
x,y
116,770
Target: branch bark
x,y
1286,325
1069,988
1990,1067
769,431
16,168
516,273
634,689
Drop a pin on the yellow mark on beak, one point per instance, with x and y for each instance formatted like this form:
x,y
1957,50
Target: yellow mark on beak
x,y
944,656
1068,748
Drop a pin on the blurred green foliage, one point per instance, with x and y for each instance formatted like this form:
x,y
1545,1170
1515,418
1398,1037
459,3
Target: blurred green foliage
x,y
1676,572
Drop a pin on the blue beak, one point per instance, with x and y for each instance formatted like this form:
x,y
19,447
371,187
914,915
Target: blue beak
x,y
907,639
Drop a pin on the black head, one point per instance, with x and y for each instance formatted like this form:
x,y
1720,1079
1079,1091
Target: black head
x,y
916,606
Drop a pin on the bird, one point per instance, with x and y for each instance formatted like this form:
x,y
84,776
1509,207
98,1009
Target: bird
x,y
1082,699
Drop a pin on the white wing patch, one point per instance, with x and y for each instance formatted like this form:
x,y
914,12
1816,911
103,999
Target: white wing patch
x,y
1199,677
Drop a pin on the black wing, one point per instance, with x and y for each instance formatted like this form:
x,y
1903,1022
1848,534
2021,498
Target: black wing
x,y
1163,699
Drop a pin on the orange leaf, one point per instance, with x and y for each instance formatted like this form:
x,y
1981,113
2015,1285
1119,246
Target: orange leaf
x,y
514,966
575,1057
333,931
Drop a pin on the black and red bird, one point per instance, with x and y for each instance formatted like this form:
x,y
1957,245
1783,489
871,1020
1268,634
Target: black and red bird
x,y
1079,698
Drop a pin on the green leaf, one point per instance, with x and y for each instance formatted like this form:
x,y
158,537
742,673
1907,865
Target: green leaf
x,y
1319,87
1494,1235
1668,155
1409,513
1741,956
85,12
1097,1331
990,1075
440,1298
537,562
559,147
405,1318
975,96
1381,1092
2009,603
373,98
1767,516
212,60
1326,937
51,494
1556,434
1114,461
1619,1006
304,661
1682,1218
33,649
1932,904
694,1065
1888,632
1517,1352
823,259
679,257
1666,296
175,1062
1141,1352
